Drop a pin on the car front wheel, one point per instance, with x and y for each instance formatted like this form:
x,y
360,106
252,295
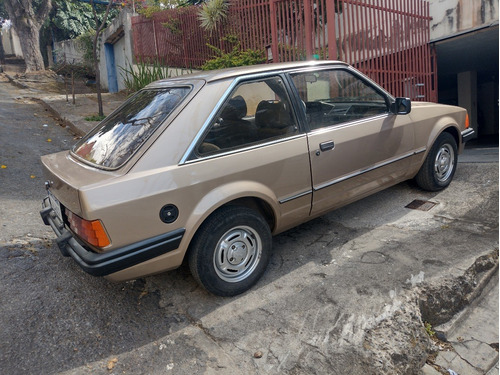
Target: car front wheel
x,y
439,167
231,250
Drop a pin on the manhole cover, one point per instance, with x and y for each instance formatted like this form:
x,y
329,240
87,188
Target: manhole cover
x,y
421,205
373,257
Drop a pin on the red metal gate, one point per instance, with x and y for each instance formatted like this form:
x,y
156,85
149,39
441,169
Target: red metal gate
x,y
174,38
251,21
386,39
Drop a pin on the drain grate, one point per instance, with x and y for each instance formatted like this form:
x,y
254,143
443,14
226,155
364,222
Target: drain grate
x,y
421,205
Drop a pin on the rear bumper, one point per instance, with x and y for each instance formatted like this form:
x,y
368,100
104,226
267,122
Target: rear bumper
x,y
103,264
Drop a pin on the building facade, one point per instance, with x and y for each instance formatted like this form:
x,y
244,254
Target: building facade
x,y
464,34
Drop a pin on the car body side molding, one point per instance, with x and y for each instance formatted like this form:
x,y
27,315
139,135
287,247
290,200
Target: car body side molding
x,y
376,166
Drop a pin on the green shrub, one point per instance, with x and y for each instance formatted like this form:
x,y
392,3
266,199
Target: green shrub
x,y
234,58
86,43
149,11
79,70
95,118
136,79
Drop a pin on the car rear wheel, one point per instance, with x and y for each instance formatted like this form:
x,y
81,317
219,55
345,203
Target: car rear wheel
x,y
231,250
439,167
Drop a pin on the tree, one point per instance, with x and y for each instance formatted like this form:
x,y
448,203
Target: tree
x,y
70,19
27,17
186,3
95,51
3,15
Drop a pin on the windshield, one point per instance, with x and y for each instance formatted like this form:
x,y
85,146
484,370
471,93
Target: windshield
x,y
119,135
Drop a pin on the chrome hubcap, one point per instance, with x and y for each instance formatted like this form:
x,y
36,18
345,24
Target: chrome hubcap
x,y
444,163
237,254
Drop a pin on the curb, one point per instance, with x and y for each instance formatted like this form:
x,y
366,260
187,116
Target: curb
x,y
65,122
445,330
75,129
460,350
15,82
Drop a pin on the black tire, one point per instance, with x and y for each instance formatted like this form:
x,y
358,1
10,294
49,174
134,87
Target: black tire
x,y
440,164
230,251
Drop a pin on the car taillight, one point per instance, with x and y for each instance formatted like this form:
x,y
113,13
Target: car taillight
x,y
467,121
91,231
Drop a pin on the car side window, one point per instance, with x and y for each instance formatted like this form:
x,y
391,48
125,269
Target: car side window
x,y
337,96
256,111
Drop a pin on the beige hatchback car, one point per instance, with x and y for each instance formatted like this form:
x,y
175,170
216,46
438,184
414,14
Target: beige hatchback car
x,y
207,167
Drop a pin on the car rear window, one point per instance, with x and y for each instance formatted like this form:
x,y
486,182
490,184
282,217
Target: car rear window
x,y
119,135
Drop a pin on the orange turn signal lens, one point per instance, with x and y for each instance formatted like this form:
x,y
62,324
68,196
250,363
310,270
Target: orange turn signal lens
x,y
467,121
90,231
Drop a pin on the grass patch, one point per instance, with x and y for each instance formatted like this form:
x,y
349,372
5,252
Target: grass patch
x,y
429,330
94,118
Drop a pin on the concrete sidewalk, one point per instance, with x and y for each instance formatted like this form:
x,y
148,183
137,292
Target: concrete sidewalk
x,y
475,337
469,341
479,154
74,115
471,338
51,95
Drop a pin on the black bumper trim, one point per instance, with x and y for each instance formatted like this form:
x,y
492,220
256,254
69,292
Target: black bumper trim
x,y
102,264
467,135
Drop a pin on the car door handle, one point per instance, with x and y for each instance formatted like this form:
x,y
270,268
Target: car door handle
x,y
326,146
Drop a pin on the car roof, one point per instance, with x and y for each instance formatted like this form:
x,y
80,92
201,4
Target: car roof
x,y
215,75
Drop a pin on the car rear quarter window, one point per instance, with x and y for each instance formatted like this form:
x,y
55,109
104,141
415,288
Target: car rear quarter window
x,y
257,111
119,136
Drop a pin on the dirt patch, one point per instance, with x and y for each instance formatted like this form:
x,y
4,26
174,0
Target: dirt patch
x,y
49,82
45,81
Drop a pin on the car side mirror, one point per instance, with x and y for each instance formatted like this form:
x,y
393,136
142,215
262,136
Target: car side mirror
x,y
401,106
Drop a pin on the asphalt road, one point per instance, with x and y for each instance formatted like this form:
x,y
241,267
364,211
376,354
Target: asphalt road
x,y
52,315
330,283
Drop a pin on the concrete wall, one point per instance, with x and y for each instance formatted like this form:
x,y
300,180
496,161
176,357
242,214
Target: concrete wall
x,y
116,39
11,43
465,36
119,36
123,57
6,42
451,17
117,53
68,51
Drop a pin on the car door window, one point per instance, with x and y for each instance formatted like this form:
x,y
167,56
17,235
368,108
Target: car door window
x,y
256,111
337,96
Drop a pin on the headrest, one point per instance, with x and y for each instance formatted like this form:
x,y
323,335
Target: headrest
x,y
235,109
272,114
